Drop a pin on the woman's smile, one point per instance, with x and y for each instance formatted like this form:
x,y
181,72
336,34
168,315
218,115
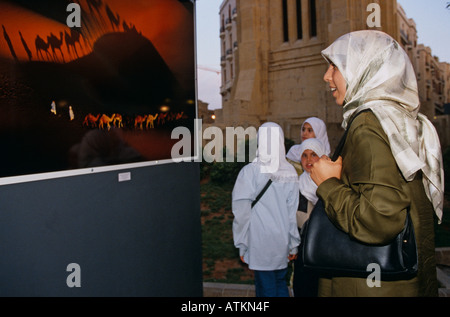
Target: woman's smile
x,y
337,83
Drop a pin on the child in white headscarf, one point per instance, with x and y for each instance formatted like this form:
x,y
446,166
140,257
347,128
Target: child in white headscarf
x,y
305,282
311,128
319,130
391,163
267,234
311,151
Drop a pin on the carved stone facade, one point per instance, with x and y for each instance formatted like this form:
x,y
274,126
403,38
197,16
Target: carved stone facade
x,y
272,68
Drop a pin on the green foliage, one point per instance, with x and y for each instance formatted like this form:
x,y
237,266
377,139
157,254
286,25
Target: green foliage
x,y
288,143
218,240
235,275
217,234
217,196
225,172
205,169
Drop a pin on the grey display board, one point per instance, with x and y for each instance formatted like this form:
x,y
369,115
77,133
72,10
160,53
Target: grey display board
x,y
93,235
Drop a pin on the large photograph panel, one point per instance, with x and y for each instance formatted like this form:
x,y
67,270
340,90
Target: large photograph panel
x,y
106,93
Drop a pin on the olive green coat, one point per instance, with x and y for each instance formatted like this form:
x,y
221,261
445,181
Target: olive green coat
x,y
298,166
370,203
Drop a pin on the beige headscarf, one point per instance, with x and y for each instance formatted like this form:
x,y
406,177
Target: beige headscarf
x,y
380,77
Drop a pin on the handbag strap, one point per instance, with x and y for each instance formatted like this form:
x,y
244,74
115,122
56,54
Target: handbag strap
x,y
340,146
262,192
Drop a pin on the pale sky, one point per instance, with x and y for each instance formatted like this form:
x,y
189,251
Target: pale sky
x,y
431,17
208,52
432,24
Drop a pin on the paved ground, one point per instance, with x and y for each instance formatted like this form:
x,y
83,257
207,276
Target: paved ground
x,y
228,290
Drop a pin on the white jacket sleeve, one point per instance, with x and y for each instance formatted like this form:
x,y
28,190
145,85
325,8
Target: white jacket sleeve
x,y
292,204
242,196
242,212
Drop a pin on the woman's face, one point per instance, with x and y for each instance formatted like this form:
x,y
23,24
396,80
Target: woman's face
x,y
337,83
307,132
308,158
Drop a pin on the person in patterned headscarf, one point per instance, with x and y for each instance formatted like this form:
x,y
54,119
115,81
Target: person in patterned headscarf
x,y
391,162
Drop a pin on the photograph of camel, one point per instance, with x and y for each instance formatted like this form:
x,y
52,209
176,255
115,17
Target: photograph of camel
x,y
106,93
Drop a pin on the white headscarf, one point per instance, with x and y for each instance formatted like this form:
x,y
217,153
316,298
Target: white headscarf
x,y
271,154
320,131
380,77
307,186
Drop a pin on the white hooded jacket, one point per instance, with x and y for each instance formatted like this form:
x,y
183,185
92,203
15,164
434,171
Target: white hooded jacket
x,y
267,233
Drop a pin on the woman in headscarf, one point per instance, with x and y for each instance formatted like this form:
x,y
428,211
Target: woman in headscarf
x,y
267,234
315,128
304,281
311,128
391,162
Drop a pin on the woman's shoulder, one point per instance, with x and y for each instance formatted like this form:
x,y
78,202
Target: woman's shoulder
x,y
365,117
366,126
366,120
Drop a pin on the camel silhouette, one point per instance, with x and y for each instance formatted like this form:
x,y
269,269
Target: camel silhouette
x,y
71,42
162,118
139,120
117,122
150,121
41,45
91,120
104,119
55,44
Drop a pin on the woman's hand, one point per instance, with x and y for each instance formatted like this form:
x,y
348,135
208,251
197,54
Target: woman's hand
x,y
325,168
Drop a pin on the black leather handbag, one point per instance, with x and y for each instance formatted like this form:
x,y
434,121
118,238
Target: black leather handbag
x,y
330,250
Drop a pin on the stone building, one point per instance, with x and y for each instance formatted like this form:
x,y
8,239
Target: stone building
x,y
207,116
272,68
